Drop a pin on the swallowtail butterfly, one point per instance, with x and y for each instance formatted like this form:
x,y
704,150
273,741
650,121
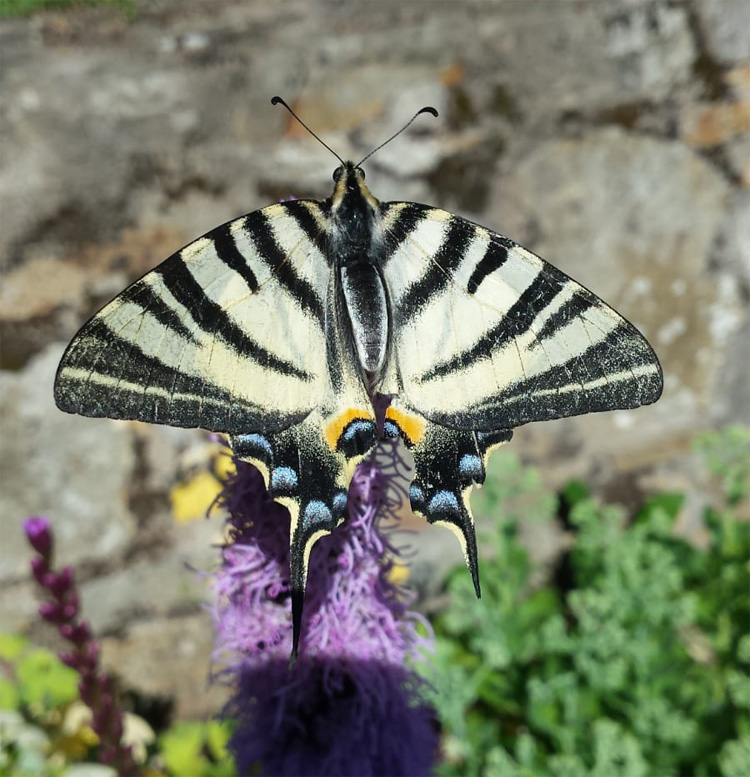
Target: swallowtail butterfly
x,y
284,329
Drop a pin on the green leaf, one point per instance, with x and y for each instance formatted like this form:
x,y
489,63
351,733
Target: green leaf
x,y
734,758
10,696
198,749
10,8
12,646
45,681
575,491
638,665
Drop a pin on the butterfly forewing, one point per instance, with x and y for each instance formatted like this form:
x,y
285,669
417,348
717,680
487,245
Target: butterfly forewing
x,y
503,338
225,334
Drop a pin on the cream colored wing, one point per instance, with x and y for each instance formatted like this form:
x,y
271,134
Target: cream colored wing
x,y
489,336
227,334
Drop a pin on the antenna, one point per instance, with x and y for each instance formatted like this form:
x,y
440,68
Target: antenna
x,y
276,100
426,109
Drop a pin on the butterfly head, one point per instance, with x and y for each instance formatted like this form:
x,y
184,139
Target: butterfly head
x,y
350,191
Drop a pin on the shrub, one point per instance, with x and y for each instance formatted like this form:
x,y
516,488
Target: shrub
x,y
638,665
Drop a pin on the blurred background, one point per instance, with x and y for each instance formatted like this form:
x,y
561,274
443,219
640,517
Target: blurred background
x,y
611,137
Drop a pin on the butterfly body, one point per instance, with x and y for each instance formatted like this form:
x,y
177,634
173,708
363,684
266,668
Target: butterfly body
x,y
287,328
357,247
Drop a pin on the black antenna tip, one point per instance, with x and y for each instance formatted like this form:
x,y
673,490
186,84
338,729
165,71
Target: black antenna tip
x,y
428,109
276,100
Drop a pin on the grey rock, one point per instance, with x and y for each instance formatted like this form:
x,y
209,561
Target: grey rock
x,y
19,600
74,472
166,579
732,249
726,25
170,657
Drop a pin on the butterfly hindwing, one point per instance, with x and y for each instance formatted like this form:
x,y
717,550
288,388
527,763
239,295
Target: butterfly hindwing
x,y
309,473
489,336
448,465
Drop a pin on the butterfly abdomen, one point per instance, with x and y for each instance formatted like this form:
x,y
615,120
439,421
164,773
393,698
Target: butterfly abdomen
x,y
366,307
357,253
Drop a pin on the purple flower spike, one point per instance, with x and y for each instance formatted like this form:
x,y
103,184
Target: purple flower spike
x,y
51,612
95,688
349,705
39,535
40,569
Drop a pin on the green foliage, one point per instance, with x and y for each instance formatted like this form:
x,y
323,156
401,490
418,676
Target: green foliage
x,y
637,665
198,749
44,727
728,456
10,8
35,690
34,678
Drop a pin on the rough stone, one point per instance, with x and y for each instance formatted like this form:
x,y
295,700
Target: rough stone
x,y
75,473
166,580
726,25
732,248
170,658
712,124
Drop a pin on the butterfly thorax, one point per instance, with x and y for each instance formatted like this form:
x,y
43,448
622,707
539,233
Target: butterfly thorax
x,y
357,252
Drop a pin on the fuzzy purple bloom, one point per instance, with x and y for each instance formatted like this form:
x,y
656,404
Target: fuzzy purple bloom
x,y
350,704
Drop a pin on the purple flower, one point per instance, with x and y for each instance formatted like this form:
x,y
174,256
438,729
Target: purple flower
x,y
96,688
39,535
350,704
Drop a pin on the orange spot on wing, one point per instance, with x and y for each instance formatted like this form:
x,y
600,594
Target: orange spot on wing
x,y
335,427
411,425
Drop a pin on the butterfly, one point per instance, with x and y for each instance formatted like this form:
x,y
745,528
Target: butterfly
x,y
286,329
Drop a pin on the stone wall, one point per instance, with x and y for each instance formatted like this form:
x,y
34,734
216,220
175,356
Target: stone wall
x,y
610,137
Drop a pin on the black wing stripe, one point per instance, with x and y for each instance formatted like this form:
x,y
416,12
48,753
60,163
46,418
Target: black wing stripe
x,y
212,319
229,254
152,304
516,322
619,372
494,258
611,360
573,308
439,270
407,220
300,212
115,387
260,231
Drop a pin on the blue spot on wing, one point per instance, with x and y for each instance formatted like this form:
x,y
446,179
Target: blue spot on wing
x,y
284,479
357,438
255,445
390,429
316,513
339,503
470,467
444,502
416,495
